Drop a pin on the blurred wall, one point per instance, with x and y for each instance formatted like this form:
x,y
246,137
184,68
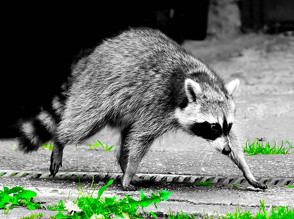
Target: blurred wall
x,y
272,16
41,40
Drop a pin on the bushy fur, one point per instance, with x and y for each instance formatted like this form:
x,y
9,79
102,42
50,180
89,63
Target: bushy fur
x,y
134,82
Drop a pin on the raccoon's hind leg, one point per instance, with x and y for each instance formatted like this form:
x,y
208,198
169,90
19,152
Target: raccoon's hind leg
x,y
134,145
124,151
56,158
74,128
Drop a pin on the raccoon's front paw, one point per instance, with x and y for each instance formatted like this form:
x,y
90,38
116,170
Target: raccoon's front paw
x,y
129,188
127,181
136,180
262,186
140,182
259,185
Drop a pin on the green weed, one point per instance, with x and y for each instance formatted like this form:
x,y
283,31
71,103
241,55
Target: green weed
x,y
99,143
87,206
257,147
33,216
17,196
14,147
236,185
48,146
57,207
206,183
289,186
272,213
180,216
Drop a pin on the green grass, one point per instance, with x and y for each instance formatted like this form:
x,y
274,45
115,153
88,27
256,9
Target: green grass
x,y
99,143
235,185
88,206
14,147
181,216
206,183
258,147
48,146
272,213
33,216
17,196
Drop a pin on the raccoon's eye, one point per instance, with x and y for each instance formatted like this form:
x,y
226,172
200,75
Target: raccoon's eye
x,y
215,127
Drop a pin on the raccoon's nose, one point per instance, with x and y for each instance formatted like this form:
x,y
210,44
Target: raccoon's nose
x,y
226,150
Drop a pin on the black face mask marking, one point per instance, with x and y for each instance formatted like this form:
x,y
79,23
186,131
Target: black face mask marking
x,y
206,130
184,103
226,127
211,131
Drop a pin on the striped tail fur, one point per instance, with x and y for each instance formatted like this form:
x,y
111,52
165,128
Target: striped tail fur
x,y
42,128
34,132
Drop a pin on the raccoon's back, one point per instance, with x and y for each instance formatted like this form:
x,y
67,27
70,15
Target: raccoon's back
x,y
133,74
138,68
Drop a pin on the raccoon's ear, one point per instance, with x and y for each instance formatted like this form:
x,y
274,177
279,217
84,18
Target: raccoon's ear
x,y
192,89
232,86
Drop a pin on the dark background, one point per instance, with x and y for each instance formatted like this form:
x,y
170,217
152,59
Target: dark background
x,y
41,41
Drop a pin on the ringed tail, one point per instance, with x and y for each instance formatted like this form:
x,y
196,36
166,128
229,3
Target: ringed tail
x,y
34,132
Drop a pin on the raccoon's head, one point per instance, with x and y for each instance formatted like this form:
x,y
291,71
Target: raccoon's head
x,y
208,111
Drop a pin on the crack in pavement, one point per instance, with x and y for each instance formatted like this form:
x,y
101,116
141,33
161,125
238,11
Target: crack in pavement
x,y
220,203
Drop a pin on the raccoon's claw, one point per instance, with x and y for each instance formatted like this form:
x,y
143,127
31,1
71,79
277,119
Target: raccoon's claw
x,y
139,182
129,188
56,162
54,167
258,185
136,180
261,186
129,183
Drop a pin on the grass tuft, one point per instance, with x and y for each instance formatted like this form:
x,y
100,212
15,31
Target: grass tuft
x,y
181,216
258,147
33,216
48,146
206,183
272,213
99,143
236,185
88,206
17,196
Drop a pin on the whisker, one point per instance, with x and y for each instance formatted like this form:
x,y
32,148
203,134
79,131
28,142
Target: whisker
x,y
209,152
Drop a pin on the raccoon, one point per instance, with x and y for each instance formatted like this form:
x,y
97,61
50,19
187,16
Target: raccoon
x,y
144,84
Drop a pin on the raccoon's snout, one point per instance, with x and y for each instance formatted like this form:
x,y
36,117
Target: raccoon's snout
x,y
227,150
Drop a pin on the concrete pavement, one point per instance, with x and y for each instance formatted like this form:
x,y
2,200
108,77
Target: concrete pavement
x,y
265,102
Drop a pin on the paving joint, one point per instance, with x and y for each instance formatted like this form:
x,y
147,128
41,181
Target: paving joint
x,y
155,178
